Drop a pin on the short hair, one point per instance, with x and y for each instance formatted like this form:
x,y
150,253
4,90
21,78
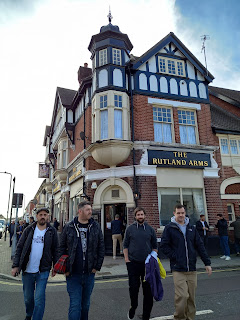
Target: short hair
x,y
219,215
42,209
179,206
137,210
82,204
116,215
31,218
202,215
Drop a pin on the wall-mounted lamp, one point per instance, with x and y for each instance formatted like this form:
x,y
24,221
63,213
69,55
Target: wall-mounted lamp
x,y
85,197
137,195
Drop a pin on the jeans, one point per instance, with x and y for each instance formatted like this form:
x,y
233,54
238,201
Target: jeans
x,y
79,288
136,273
224,245
35,305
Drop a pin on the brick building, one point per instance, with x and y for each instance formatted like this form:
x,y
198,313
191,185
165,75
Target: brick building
x,y
140,131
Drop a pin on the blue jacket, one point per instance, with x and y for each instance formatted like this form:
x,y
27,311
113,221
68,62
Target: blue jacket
x,y
182,250
153,277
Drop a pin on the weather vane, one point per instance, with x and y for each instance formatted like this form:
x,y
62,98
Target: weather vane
x,y
204,38
109,16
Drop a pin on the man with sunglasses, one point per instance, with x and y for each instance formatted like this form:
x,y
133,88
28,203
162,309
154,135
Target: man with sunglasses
x,y
36,252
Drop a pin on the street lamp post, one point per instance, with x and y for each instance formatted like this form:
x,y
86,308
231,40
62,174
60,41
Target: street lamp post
x,y
5,237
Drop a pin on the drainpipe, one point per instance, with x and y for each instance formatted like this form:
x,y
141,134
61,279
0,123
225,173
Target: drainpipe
x,y
133,150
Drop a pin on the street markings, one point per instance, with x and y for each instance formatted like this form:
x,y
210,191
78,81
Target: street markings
x,y
198,313
97,281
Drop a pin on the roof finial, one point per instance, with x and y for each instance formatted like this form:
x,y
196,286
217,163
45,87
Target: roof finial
x,y
109,16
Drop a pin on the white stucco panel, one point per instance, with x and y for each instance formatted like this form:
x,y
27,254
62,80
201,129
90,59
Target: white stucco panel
x,y
152,65
191,71
117,78
103,78
183,88
200,76
143,67
173,86
153,83
202,91
193,89
163,85
142,81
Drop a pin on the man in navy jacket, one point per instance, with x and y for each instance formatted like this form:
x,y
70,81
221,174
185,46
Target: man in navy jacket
x,y
181,243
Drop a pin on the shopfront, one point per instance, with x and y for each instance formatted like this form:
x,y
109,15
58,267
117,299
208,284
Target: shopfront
x,y
180,180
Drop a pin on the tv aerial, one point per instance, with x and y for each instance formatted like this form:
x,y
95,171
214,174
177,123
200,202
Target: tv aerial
x,y
204,38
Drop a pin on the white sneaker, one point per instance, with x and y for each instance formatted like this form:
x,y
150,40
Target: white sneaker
x,y
227,258
114,257
223,257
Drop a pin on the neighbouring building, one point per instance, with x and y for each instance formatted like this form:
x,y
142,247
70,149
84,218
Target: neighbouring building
x,y
141,131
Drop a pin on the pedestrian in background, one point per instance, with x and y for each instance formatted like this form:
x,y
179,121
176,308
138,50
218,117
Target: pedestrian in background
x,y
140,240
82,240
37,251
236,226
222,227
11,229
116,227
181,243
202,228
55,223
31,220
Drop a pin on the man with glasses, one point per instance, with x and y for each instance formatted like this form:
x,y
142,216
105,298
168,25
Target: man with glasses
x,y
36,252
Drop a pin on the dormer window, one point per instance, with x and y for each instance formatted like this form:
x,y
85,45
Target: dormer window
x,y
102,57
171,66
116,56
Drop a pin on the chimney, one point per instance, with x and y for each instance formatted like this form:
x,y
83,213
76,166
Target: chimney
x,y
84,72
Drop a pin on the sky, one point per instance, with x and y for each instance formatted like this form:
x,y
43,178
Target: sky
x,y
43,43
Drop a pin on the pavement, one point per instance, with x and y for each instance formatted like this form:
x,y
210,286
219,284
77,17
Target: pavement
x,y
110,269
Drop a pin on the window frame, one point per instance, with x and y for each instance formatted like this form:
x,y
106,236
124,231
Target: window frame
x,y
229,138
175,62
190,125
232,212
118,106
103,57
115,61
171,123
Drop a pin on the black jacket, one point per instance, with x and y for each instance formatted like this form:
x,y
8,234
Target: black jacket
x,y
95,245
50,249
199,228
181,250
140,240
222,227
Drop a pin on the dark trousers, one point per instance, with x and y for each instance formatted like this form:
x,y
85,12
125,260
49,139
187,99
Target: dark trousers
x,y
205,241
136,274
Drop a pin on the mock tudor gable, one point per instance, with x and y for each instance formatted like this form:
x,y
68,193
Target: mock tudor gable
x,y
170,70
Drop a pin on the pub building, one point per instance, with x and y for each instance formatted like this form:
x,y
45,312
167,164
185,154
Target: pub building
x,y
138,131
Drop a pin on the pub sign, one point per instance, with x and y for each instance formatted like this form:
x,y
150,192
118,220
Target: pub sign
x,y
179,159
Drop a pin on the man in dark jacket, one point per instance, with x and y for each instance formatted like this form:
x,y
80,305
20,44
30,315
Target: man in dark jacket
x,y
202,228
36,252
222,227
116,227
181,243
82,241
236,226
140,240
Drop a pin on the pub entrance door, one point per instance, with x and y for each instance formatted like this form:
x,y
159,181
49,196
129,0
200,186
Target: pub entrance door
x,y
110,210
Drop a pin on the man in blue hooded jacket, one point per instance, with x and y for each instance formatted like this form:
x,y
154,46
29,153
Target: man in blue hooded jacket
x,y
181,243
82,241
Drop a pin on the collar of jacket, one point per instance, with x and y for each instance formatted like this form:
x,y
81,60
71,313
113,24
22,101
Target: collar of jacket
x,y
34,224
174,225
73,224
138,224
